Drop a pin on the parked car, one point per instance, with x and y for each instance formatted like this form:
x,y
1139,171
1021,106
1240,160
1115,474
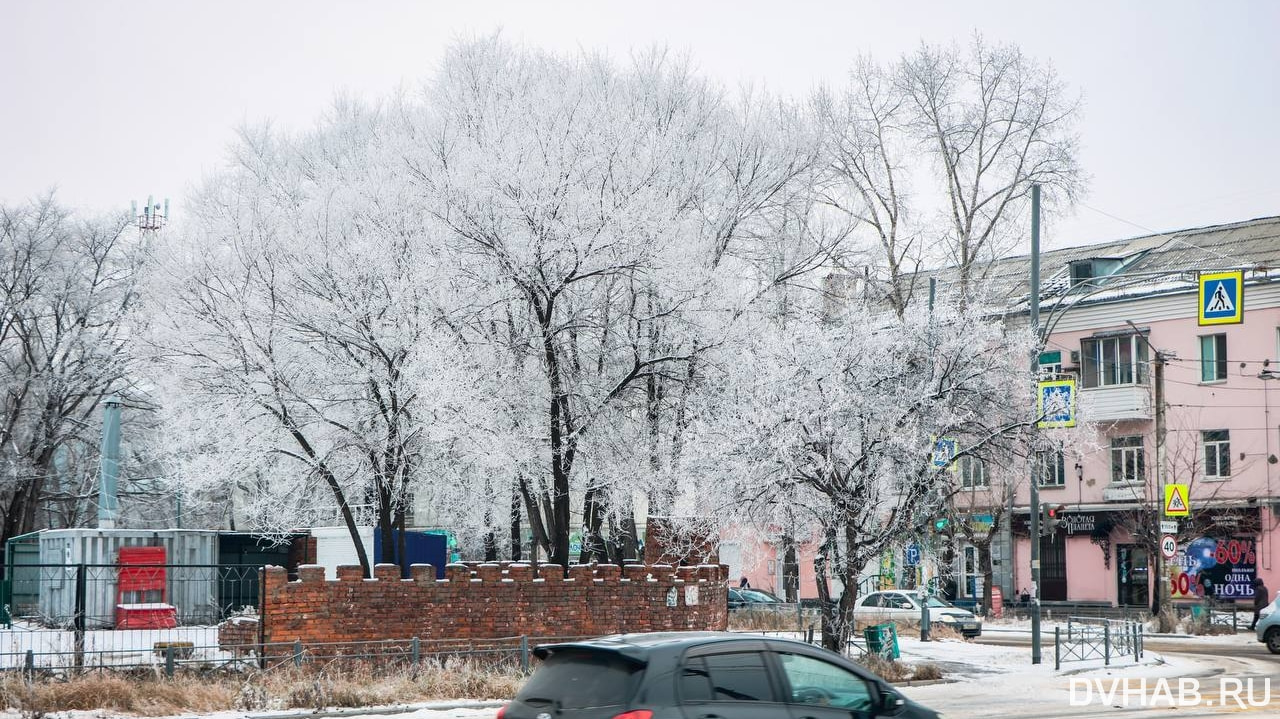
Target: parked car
x,y
674,675
1268,627
905,606
747,598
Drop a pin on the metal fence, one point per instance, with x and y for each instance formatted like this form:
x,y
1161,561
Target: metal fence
x,y
412,654
83,615
1088,638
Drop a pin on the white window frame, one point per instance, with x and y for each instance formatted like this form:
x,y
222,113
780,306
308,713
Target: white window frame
x,y
973,473
1219,364
1217,454
1056,463
1125,454
1100,364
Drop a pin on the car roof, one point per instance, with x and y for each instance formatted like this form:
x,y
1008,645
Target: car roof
x,y
639,646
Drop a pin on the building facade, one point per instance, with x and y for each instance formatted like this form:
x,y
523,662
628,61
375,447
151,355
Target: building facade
x,y
1164,398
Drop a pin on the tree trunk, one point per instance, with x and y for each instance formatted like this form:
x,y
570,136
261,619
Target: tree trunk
x,y
593,549
517,541
790,569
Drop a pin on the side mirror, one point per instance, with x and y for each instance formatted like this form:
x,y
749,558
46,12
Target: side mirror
x,y
890,701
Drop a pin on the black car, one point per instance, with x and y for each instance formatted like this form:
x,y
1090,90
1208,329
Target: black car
x,y
747,598
703,675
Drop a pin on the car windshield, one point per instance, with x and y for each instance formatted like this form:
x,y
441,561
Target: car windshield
x,y
755,595
934,602
581,679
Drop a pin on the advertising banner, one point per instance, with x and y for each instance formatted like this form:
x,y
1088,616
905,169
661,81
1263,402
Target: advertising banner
x,y
1222,568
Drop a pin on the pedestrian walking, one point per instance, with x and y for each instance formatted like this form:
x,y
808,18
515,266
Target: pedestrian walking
x,y
1261,598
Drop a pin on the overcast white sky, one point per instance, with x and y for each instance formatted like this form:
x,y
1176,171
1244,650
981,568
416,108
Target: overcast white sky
x,y
112,101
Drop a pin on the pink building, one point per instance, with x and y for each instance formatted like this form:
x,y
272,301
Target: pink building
x,y
1124,321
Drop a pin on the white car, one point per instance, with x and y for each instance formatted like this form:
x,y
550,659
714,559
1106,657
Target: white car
x,y
904,606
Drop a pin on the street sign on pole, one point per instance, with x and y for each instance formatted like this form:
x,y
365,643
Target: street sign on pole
x,y
1176,503
1168,526
1221,298
1168,547
1056,403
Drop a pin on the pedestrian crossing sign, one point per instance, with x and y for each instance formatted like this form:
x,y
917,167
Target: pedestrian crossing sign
x,y
944,452
1056,404
1221,298
1176,503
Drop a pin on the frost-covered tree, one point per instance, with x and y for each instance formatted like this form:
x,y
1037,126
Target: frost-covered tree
x,y
68,292
316,345
835,422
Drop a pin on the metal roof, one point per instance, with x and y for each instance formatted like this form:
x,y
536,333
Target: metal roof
x,y
1150,264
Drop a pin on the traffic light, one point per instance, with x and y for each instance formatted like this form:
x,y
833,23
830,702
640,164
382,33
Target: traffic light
x,y
1051,518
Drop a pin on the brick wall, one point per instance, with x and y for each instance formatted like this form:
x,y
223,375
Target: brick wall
x,y
490,600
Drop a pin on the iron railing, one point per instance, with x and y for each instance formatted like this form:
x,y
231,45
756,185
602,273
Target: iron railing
x,y
387,655
1088,638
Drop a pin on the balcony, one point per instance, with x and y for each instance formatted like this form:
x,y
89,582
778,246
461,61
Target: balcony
x,y
1115,403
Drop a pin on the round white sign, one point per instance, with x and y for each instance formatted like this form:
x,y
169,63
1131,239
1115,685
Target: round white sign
x,y
1168,547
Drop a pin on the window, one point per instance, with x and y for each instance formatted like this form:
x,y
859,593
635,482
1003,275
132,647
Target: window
x,y
1128,464
814,681
1213,358
739,676
583,679
872,600
973,472
1051,468
1217,453
1113,361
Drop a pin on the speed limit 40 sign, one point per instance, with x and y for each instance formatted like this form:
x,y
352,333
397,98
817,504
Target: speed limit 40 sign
x,y
1168,547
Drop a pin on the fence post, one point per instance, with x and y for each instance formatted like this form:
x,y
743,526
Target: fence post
x,y
1136,629
1106,643
1057,648
168,661
30,665
417,652
297,652
524,654
79,621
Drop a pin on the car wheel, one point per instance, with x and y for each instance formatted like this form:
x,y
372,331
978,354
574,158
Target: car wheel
x,y
1273,640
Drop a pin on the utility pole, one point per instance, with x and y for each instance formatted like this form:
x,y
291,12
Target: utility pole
x,y
1158,585
1157,593
1035,373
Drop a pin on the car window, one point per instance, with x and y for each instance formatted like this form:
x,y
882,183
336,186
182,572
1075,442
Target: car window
x,y
813,681
736,676
934,602
872,600
581,679
897,601
757,596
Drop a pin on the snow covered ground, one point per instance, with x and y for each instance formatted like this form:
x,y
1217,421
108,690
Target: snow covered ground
x,y
982,681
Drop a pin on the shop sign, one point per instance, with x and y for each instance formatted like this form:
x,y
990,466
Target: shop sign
x,y
1224,568
1080,523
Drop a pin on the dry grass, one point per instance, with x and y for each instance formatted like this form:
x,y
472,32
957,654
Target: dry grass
x,y
337,685
926,672
895,671
760,620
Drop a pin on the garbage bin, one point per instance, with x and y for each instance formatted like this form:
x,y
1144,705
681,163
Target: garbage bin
x,y
882,640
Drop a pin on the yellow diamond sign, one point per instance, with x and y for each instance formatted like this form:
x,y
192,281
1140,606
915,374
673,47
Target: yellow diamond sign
x,y
1176,503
